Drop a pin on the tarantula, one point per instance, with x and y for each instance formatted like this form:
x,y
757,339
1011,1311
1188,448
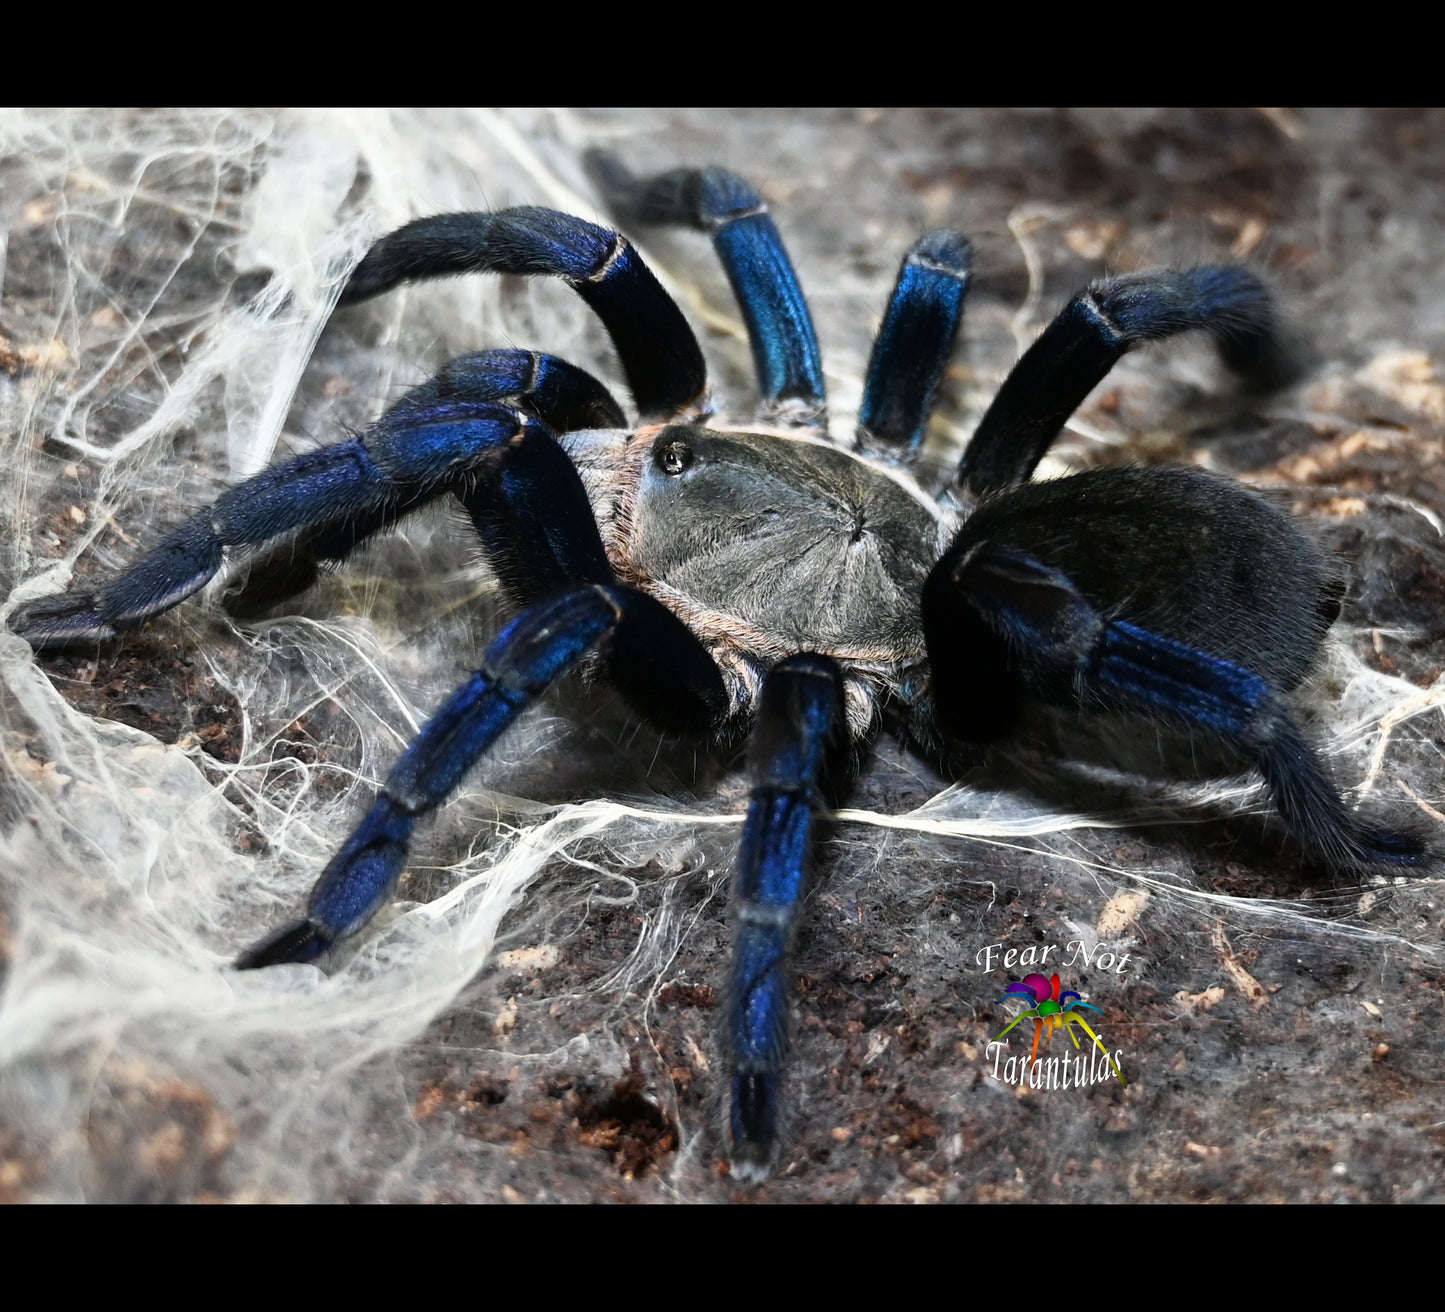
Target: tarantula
x,y
778,582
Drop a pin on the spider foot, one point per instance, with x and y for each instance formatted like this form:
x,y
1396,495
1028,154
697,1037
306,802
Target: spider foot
x,y
61,621
1354,847
1396,847
300,942
353,887
177,568
1312,808
753,1125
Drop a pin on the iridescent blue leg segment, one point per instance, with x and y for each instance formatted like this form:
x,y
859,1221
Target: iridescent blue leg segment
x,y
658,351
561,395
477,429
799,717
543,643
786,357
1065,652
1107,319
1136,670
564,397
912,348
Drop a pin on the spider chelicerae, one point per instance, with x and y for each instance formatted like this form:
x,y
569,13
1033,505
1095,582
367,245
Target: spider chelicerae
x,y
776,583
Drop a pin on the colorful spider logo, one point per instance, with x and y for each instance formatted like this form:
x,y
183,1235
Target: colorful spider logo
x,y
1052,1011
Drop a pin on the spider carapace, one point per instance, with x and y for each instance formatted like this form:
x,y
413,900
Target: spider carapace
x,y
778,582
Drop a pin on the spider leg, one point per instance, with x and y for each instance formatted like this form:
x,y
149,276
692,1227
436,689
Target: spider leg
x,y
913,345
1060,647
659,354
544,517
447,435
562,396
1110,317
540,645
799,717
786,357
1038,1029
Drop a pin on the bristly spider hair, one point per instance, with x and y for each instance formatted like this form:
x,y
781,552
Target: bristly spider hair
x,y
779,582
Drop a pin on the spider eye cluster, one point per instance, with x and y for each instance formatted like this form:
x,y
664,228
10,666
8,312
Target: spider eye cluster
x,y
674,457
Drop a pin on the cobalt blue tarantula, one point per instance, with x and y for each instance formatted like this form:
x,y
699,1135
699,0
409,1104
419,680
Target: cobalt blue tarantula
x,y
777,582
